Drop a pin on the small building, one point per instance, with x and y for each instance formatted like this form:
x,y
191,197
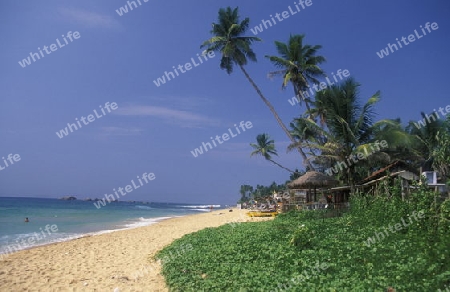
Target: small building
x,y
431,177
307,191
432,180
398,170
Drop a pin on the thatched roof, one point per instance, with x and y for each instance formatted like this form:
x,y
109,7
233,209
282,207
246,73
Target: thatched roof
x,y
312,179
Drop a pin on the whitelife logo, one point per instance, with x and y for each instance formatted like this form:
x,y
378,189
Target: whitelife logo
x,y
90,118
110,198
35,56
266,24
243,125
380,236
411,38
433,117
11,158
122,10
322,85
204,57
354,158
29,241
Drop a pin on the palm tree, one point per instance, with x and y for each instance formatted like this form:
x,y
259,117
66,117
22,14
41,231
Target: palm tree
x,y
301,132
391,131
349,128
399,140
432,140
441,154
266,148
236,49
245,192
319,111
426,139
298,64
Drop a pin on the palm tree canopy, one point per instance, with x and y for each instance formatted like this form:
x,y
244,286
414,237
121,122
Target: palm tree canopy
x,y
264,147
236,49
228,39
347,126
429,137
298,63
348,121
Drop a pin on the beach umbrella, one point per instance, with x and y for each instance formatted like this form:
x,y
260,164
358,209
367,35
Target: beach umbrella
x,y
312,179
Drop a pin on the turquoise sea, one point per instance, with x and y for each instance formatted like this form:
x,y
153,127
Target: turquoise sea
x,y
54,220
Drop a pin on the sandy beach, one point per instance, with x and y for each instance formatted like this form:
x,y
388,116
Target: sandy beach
x,y
117,261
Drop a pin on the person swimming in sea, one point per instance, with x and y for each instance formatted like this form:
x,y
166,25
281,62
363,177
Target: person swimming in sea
x,y
26,219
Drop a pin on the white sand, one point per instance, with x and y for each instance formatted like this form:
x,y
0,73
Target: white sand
x,y
105,262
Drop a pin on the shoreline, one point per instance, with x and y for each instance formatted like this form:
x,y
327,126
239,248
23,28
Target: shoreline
x,y
75,236
106,261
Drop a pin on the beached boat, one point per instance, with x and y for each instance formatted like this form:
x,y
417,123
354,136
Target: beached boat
x,y
262,213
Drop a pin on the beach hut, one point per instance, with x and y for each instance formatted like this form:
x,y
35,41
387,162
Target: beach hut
x,y
396,170
312,180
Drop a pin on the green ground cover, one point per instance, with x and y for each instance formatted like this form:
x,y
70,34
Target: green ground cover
x,y
306,251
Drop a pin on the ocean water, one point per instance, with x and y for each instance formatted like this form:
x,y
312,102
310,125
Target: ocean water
x,y
54,220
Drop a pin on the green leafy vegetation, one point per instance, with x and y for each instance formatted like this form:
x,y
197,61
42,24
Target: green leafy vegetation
x,y
285,252
381,244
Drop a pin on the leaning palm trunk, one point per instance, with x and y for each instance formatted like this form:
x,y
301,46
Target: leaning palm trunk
x,y
280,122
299,94
281,166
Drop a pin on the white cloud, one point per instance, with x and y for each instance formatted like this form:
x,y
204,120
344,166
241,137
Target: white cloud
x,y
117,131
169,115
185,102
88,18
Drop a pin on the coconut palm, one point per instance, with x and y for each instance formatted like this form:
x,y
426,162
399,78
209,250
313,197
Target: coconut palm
x,y
298,64
265,147
301,132
319,111
349,129
426,136
235,49
441,154
432,141
245,191
399,140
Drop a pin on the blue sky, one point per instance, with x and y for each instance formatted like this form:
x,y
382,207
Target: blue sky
x,y
154,129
